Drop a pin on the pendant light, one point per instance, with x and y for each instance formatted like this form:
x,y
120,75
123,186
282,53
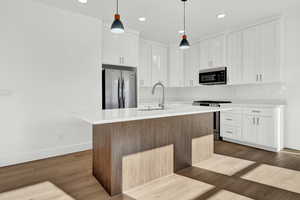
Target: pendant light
x,y
117,25
184,44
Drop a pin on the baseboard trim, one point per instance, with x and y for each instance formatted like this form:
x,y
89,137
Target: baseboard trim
x,y
19,158
252,145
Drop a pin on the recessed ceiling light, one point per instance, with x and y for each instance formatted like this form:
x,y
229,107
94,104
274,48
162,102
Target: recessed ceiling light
x,y
142,19
221,15
181,32
83,1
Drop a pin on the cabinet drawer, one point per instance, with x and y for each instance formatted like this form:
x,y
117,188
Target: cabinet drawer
x,y
259,111
231,132
234,110
231,119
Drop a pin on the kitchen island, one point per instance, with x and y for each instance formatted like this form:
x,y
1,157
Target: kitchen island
x,y
132,147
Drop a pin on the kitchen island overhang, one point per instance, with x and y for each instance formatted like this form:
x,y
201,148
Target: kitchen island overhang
x,y
132,147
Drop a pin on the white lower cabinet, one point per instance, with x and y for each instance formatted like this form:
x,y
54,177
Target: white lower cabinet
x,y
257,127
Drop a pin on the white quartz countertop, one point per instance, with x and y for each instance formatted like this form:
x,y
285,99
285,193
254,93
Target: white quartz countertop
x,y
131,114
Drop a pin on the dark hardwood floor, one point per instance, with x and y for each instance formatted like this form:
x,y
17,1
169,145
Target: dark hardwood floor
x,y
73,174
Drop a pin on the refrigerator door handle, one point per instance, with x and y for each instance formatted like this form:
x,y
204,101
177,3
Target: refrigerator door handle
x,y
123,95
119,93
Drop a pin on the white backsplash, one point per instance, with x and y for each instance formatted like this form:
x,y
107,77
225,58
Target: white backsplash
x,y
247,92
274,91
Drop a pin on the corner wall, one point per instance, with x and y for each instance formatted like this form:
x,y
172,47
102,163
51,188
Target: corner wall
x,y
49,70
292,71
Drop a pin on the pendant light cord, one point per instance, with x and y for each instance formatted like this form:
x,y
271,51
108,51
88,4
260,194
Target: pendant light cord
x,y
184,17
117,6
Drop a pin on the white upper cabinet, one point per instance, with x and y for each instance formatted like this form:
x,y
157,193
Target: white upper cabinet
x,y
159,63
145,68
261,53
204,52
120,49
234,52
191,66
212,53
269,52
250,55
217,51
176,66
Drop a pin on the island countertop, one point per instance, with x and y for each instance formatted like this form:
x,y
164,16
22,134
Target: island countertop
x,y
131,114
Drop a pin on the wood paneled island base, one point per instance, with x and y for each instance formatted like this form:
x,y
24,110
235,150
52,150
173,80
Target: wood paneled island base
x,y
129,154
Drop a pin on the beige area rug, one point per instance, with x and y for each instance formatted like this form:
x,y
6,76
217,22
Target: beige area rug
x,y
42,191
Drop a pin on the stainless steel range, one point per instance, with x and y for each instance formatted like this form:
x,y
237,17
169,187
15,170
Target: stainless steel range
x,y
216,114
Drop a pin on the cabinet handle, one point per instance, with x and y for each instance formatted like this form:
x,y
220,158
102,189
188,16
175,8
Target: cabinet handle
x,y
229,119
230,132
120,60
255,111
256,77
261,77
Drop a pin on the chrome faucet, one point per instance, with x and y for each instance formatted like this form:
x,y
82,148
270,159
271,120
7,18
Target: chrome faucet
x,y
162,104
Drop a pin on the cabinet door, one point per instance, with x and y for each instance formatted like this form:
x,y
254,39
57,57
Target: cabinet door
x,y
250,52
270,52
249,129
128,48
159,64
111,43
266,131
176,74
234,57
216,52
205,59
191,66
144,69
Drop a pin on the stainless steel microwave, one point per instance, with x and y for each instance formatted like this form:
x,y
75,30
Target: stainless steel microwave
x,y
215,76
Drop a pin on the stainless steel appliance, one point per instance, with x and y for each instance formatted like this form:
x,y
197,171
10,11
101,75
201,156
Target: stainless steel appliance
x,y
215,76
119,87
217,135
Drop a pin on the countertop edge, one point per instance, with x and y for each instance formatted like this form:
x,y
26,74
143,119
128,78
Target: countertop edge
x,y
156,116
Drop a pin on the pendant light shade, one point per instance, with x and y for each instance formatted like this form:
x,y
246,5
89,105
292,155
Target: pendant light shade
x,y
117,25
184,44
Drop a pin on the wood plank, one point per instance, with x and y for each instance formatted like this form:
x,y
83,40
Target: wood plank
x,y
42,191
73,174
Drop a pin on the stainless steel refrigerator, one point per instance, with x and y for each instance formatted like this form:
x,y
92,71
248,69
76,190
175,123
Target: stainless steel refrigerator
x,y
119,87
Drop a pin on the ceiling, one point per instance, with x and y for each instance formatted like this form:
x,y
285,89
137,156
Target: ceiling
x,y
165,17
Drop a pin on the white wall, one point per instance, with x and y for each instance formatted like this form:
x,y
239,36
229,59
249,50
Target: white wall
x,y
49,69
292,71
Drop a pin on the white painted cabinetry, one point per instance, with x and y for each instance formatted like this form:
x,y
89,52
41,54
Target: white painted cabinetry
x,y
145,64
234,52
250,55
153,63
191,66
269,58
212,52
176,66
261,53
254,126
120,49
159,60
